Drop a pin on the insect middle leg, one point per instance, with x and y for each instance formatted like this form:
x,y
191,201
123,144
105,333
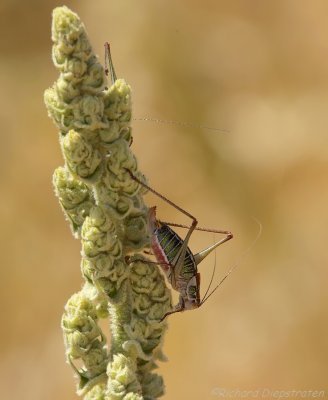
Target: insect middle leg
x,y
178,261
180,307
202,254
129,260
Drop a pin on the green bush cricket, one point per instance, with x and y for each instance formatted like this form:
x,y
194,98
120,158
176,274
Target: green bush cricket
x,y
176,259
171,251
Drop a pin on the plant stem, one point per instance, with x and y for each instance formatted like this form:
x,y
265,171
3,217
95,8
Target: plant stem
x,y
105,209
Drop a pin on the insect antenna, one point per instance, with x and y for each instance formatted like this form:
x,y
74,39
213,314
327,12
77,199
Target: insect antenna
x,y
179,123
211,281
109,70
219,284
243,255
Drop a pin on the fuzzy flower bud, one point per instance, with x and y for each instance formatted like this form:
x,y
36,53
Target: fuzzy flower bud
x,y
82,159
74,197
84,340
123,383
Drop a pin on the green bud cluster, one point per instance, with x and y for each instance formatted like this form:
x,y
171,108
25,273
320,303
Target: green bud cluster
x,y
106,211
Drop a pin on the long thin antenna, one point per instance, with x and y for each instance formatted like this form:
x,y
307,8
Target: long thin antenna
x,y
220,283
179,123
211,281
237,263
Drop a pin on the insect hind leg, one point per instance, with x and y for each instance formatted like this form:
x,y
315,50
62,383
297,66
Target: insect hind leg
x,y
198,228
132,176
179,259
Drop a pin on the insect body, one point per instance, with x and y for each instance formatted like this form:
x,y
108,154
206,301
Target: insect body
x,y
176,259
166,245
172,252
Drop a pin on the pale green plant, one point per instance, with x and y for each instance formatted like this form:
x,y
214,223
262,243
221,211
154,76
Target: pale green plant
x,y
105,210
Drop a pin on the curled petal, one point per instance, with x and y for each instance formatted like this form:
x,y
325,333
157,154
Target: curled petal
x,y
82,159
117,101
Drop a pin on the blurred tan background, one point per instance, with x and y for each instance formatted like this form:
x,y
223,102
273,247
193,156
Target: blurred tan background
x,y
256,68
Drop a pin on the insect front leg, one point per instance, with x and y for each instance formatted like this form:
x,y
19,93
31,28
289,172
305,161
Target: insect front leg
x,y
129,260
148,252
180,307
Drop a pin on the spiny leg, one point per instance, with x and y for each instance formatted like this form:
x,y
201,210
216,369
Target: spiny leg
x,y
129,261
132,176
228,233
109,67
178,262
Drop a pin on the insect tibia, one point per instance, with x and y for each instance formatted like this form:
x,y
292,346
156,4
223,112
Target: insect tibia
x,y
109,67
180,307
228,233
132,176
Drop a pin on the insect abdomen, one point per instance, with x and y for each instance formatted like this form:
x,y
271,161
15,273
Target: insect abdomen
x,y
170,244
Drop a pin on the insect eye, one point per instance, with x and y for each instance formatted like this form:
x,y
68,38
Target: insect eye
x,y
192,292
